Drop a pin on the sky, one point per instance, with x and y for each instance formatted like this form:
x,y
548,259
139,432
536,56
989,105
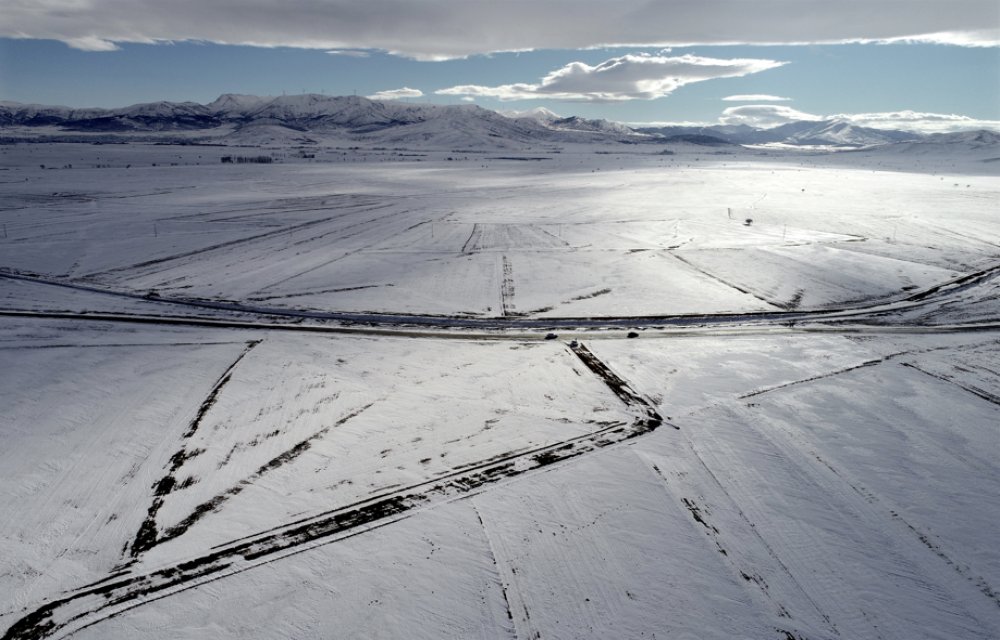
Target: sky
x,y
931,64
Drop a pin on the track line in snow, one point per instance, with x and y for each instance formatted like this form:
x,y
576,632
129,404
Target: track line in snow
x,y
985,395
870,497
316,293
507,307
112,345
215,503
835,320
507,579
695,487
214,247
861,509
618,386
326,263
125,590
558,239
475,236
148,536
711,275
867,363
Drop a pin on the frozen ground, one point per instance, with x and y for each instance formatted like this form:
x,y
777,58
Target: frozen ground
x,y
570,235
314,399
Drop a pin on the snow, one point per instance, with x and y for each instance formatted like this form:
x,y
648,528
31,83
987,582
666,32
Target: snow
x,y
799,440
373,231
537,113
392,122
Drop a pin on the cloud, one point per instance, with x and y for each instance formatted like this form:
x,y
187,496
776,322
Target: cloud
x,y
656,124
755,97
972,38
350,53
396,94
92,43
918,121
766,116
442,29
628,77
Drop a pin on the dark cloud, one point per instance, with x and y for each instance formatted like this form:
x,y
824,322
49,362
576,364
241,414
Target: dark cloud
x,y
437,29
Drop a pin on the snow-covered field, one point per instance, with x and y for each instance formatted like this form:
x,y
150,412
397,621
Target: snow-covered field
x,y
315,398
574,234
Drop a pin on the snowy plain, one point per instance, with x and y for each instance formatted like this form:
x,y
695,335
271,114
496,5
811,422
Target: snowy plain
x,y
314,398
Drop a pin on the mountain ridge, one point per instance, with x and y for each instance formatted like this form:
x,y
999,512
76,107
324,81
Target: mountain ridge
x,y
403,122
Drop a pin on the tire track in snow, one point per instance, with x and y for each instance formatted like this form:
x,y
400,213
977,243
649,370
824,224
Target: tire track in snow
x,y
317,292
871,498
124,590
325,263
867,363
220,245
618,386
147,536
957,285
507,307
475,236
215,503
286,205
863,516
692,484
985,395
506,577
112,345
708,274
833,320
558,239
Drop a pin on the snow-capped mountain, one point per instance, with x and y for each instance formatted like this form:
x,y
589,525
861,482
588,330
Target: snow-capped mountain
x,y
538,113
982,137
247,118
36,115
237,105
576,123
843,133
803,132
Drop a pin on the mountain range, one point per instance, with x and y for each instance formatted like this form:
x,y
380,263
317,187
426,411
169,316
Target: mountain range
x,y
255,118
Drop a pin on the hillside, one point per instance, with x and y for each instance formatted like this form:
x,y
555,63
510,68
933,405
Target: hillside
x,y
306,118
240,118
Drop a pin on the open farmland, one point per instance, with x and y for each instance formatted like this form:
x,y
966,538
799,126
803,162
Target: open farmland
x,y
580,395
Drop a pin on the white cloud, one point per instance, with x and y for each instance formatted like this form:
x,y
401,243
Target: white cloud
x,y
396,94
771,115
468,99
918,121
764,116
656,124
92,43
971,38
440,29
349,53
628,77
755,97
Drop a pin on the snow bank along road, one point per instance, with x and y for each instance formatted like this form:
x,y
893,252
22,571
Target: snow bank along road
x,y
780,464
